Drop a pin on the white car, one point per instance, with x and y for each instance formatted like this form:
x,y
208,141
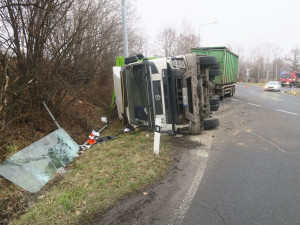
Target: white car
x,y
272,86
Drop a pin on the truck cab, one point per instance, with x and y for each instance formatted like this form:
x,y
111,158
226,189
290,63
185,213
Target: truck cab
x,y
290,79
173,89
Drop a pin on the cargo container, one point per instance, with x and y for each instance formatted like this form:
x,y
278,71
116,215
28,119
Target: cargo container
x,y
225,81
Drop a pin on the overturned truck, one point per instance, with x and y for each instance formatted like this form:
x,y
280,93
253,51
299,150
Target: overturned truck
x,y
178,90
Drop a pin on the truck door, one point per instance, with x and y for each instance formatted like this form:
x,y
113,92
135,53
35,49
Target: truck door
x,y
157,96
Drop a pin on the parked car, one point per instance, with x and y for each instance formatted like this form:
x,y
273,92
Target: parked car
x,y
273,86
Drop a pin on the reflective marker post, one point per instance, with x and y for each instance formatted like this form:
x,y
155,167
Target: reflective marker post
x,y
157,136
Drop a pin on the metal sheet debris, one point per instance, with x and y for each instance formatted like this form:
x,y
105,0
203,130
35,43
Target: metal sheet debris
x,y
32,167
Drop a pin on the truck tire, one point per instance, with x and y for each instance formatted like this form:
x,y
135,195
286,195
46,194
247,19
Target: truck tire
x,y
140,56
210,123
216,96
214,72
217,66
131,59
214,107
196,128
207,61
214,101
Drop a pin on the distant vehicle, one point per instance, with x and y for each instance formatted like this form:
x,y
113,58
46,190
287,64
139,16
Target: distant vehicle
x,y
272,86
290,79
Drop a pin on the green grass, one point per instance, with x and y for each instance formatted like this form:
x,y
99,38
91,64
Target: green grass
x,y
296,93
11,149
99,178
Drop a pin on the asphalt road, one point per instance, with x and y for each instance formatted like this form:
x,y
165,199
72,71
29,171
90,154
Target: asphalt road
x,y
253,171
247,171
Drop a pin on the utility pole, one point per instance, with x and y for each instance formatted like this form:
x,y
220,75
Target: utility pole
x,y
247,74
125,37
276,70
258,70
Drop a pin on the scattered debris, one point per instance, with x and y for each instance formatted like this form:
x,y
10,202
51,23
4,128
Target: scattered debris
x,y
41,197
61,171
94,136
32,167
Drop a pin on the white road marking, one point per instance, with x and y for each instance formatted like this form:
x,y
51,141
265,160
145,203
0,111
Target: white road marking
x,y
272,143
276,146
232,99
189,196
254,104
279,110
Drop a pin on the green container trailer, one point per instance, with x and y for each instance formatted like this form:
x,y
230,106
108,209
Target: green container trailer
x,y
224,82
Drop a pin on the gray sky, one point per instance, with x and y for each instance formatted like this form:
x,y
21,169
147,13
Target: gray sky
x,y
240,23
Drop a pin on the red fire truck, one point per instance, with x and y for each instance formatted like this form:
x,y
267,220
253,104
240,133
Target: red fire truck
x,y
291,79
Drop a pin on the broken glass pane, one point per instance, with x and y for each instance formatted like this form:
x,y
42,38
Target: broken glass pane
x,y
32,167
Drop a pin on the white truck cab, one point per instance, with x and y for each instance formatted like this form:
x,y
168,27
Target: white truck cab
x,y
173,89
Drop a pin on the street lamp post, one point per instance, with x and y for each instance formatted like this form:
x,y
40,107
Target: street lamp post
x,y
201,25
125,38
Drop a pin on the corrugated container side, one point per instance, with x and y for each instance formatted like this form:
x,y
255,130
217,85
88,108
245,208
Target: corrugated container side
x,y
227,60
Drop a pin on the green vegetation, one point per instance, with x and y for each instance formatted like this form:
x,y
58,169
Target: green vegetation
x,y
99,178
11,149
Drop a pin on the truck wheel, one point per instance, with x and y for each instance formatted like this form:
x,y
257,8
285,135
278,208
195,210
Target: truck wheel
x,y
196,128
210,123
131,59
206,61
214,72
214,107
214,101
217,96
231,92
217,66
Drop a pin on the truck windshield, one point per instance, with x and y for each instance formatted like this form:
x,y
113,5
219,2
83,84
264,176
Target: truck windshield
x,y
178,62
284,75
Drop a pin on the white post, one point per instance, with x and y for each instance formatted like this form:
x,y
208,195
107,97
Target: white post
x,y
157,136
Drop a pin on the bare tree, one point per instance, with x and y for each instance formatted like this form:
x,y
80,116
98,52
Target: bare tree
x,y
167,38
293,59
184,43
53,49
177,44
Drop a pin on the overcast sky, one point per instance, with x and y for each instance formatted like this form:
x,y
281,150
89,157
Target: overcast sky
x,y
239,23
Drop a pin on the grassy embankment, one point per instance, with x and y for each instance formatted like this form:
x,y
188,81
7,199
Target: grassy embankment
x,y
99,178
295,93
